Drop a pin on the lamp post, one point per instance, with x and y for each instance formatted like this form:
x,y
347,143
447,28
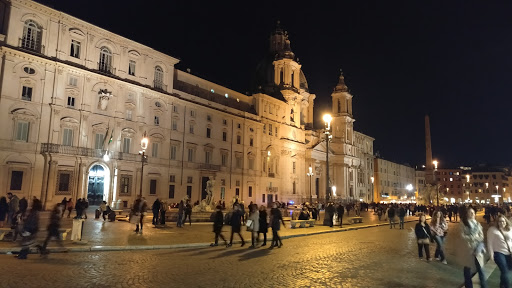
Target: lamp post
x,y
486,189
373,179
333,191
496,198
144,145
437,186
310,174
327,119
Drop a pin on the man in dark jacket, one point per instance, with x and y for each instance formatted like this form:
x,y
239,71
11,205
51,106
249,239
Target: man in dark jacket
x,y
236,222
218,222
156,211
340,210
53,228
188,213
401,216
391,216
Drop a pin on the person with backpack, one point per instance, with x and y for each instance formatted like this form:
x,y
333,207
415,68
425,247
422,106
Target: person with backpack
x,y
218,222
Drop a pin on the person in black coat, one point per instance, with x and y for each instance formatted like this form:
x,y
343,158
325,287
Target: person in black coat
x,y
53,229
156,210
236,222
423,236
30,228
218,222
340,210
276,218
263,224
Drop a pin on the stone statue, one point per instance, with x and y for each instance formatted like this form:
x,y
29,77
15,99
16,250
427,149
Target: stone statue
x,y
209,191
104,96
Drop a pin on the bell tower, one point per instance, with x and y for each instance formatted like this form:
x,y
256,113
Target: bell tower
x,y
342,118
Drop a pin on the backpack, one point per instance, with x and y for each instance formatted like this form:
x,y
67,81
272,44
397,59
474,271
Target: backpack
x,y
227,218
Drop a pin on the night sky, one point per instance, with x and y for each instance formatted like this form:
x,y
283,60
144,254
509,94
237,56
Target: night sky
x,y
401,60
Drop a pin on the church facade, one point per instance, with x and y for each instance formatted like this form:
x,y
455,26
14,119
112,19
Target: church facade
x,y
76,100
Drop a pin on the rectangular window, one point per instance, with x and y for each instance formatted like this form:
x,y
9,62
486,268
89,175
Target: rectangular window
x,y
251,142
224,136
129,114
263,198
223,182
75,49
154,150
72,81
209,118
238,125
174,150
270,109
208,132
294,188
67,137
131,68
16,180
222,193
22,131
224,160
250,191
71,101
237,191
238,162
174,124
189,179
64,182
276,131
191,129
152,187
171,191
237,183
126,145
189,192
175,108
26,93
192,113
270,129
238,139
224,122
125,184
264,128
208,157
294,167
98,141
190,155
172,178
251,163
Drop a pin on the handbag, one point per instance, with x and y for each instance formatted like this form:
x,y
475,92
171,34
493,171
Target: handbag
x,y
249,225
425,241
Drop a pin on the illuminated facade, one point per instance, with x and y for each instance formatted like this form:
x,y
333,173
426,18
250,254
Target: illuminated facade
x,y
392,181
73,93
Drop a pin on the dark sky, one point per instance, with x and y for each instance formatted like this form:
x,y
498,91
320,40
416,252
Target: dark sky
x,y
401,60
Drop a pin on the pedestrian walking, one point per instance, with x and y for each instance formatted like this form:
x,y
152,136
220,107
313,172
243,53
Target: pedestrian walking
x,y
188,213
401,216
473,235
499,241
156,211
455,212
64,203
53,228
13,207
379,212
137,214
391,216
340,210
218,222
276,218
236,222
4,208
439,227
254,225
423,236
263,225
181,211
30,229
163,210
69,206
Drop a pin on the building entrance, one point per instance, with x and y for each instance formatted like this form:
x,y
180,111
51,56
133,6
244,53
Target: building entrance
x,y
97,185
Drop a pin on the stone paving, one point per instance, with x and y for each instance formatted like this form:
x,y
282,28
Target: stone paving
x,y
374,257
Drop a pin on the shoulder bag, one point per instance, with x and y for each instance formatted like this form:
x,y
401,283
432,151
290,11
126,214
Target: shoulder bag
x,y
425,241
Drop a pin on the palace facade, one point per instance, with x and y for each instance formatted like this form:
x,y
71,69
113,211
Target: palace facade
x,y
76,100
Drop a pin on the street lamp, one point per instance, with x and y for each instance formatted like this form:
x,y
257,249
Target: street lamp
x,y
435,164
373,179
333,191
310,174
144,145
467,186
327,119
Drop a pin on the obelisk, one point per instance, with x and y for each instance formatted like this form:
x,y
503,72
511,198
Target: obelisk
x,y
429,166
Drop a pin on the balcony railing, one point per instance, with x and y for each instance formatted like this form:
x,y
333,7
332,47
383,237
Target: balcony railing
x,y
159,85
70,150
31,45
106,68
128,156
271,175
210,167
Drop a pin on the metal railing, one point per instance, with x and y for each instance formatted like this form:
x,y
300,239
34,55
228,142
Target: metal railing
x,y
106,68
70,150
159,85
210,167
128,156
31,44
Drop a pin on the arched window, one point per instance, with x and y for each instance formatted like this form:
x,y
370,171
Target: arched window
x,y
31,36
281,76
159,77
105,64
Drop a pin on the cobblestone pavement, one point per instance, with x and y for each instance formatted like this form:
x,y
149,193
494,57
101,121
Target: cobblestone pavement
x,y
373,257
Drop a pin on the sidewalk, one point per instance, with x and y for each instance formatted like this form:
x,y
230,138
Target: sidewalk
x,y
109,236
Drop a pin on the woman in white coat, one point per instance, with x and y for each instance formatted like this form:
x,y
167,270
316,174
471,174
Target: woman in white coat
x,y
254,216
499,241
474,250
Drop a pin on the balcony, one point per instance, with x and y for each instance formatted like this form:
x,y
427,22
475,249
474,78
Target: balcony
x,y
106,68
127,156
32,45
75,151
272,175
209,167
159,85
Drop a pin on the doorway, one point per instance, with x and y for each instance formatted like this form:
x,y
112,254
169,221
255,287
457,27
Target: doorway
x,y
98,184
204,181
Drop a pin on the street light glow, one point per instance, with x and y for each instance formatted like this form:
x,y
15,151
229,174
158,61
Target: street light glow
x,y
373,179
333,191
409,187
327,119
144,142
106,158
435,164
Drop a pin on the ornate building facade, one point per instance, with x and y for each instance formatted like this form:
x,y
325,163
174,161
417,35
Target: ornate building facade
x,y
76,100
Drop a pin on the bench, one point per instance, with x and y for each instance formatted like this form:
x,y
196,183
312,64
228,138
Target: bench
x,y
287,218
354,220
64,233
118,212
302,223
4,231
